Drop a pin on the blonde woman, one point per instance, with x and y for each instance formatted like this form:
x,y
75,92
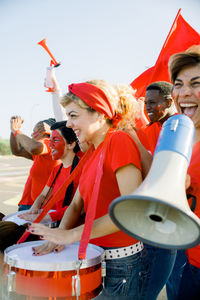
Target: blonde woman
x,y
94,109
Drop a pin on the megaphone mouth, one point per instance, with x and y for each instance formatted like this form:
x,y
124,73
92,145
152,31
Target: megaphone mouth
x,y
155,222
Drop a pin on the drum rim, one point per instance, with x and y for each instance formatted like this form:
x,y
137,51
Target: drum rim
x,y
37,266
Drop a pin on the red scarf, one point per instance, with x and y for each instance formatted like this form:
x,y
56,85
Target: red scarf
x,y
94,97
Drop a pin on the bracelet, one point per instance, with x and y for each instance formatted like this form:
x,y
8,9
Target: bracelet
x,y
16,132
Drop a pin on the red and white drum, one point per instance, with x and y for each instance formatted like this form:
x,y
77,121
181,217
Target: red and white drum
x,y
54,275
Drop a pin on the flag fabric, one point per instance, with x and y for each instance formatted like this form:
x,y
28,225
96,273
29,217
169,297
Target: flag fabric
x,y
180,38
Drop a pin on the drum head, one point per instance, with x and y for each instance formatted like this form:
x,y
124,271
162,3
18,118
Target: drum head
x,y
21,256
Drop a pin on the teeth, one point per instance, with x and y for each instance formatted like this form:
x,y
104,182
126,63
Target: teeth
x,y
187,104
150,113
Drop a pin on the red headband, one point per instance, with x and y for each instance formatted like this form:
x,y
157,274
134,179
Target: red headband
x,y
94,97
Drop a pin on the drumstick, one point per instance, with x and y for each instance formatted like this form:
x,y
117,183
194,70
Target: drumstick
x,y
57,195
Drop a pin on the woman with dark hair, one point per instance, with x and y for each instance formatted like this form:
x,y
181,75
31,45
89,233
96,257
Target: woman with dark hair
x,y
64,147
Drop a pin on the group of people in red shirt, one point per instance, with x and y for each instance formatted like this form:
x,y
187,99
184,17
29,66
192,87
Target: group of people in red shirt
x,y
102,116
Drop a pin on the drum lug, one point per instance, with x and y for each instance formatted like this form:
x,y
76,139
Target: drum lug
x,y
76,286
11,281
76,282
103,269
11,275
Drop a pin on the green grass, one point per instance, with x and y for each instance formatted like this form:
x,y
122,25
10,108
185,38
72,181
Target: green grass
x,y
4,147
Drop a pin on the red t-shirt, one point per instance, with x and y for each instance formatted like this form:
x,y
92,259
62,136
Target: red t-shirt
x,y
39,173
194,172
149,136
41,169
61,178
26,196
121,150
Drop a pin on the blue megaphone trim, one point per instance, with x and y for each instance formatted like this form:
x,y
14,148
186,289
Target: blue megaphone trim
x,y
177,135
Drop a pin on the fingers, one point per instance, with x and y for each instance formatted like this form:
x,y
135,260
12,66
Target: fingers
x,y
55,235
22,216
29,217
15,123
59,248
17,118
42,129
38,229
187,181
44,232
45,248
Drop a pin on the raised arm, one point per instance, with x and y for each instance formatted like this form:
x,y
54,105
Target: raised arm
x,y
22,144
16,148
58,110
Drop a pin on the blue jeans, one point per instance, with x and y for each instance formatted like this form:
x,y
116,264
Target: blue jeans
x,y
138,277
184,282
24,207
161,262
125,277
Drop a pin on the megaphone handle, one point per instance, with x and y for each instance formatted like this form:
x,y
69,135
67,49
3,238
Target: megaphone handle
x,y
194,201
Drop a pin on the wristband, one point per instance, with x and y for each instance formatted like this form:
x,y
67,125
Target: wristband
x,y
16,132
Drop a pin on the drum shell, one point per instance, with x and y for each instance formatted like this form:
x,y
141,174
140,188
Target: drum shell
x,y
36,281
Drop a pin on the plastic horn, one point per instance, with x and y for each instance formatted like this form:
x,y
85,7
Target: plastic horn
x,y
49,72
44,45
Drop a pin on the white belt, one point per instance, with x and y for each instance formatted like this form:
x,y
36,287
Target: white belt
x,y
123,252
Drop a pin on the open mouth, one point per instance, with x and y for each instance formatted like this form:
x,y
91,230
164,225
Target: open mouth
x,y
188,109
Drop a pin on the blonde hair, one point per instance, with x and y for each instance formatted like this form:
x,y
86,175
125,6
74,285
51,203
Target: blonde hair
x,y
121,98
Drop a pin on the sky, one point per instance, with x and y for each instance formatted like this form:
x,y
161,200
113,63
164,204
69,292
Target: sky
x,y
114,40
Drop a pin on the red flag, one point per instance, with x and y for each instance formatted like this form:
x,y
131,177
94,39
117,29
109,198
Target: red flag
x,y
179,39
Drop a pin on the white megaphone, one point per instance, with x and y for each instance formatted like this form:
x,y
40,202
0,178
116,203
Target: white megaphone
x,y
157,212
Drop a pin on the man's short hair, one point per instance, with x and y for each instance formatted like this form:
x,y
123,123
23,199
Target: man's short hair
x,y
164,88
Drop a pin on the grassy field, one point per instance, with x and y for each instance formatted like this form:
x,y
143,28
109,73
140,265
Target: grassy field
x,y
4,147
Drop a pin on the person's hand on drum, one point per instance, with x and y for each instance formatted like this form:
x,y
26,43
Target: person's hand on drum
x,y
31,211
32,216
46,248
56,235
